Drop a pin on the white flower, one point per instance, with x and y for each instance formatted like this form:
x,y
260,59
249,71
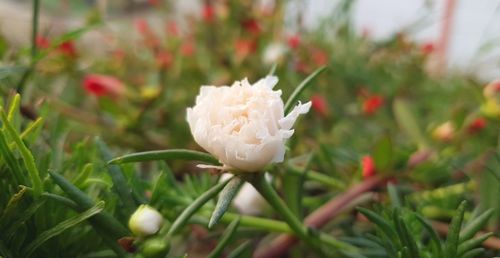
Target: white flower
x,y
145,221
273,53
243,125
248,201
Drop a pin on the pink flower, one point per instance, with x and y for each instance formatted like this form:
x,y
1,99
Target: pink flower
x,y
319,105
476,125
142,26
103,85
368,166
319,57
372,104
294,41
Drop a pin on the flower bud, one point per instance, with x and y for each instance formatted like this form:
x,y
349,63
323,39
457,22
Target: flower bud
x,y
155,248
445,132
368,166
145,221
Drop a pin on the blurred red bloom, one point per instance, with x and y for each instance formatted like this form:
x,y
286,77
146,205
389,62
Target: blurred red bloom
x,y
164,59
103,85
187,48
154,2
42,42
142,26
244,47
368,166
319,104
428,48
319,57
293,41
372,104
68,48
251,25
476,125
208,13
172,28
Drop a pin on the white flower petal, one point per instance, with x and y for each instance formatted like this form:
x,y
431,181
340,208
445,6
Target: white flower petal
x,y
287,122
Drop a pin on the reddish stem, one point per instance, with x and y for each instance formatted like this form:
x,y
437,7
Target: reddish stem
x,y
320,217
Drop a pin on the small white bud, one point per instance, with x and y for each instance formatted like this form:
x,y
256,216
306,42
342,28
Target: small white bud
x,y
145,221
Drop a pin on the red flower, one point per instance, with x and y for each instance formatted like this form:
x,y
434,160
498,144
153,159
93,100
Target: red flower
x,y
103,85
154,2
67,48
372,104
251,25
428,48
187,48
164,59
142,26
293,41
476,125
244,47
319,105
42,42
208,13
368,166
319,57
172,29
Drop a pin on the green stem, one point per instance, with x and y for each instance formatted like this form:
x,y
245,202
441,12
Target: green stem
x,y
268,192
319,177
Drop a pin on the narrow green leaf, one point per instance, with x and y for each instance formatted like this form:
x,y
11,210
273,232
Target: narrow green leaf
x,y
380,222
408,123
473,253
475,225
436,242
405,235
195,206
302,86
24,215
83,175
11,161
4,251
120,185
472,243
452,240
225,240
28,158
13,108
394,195
273,69
225,197
382,154
174,154
238,251
103,220
61,227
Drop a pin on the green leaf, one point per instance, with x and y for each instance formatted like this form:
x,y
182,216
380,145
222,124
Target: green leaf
x,y
273,69
382,154
195,206
8,157
473,253
452,240
472,243
302,86
61,227
404,234
238,251
120,185
380,222
225,240
436,242
103,221
226,196
475,225
28,158
14,108
408,123
394,195
174,154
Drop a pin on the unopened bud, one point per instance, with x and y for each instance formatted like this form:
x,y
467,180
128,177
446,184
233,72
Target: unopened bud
x,y
145,221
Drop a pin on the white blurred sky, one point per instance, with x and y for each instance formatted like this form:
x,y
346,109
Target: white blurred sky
x,y
476,23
